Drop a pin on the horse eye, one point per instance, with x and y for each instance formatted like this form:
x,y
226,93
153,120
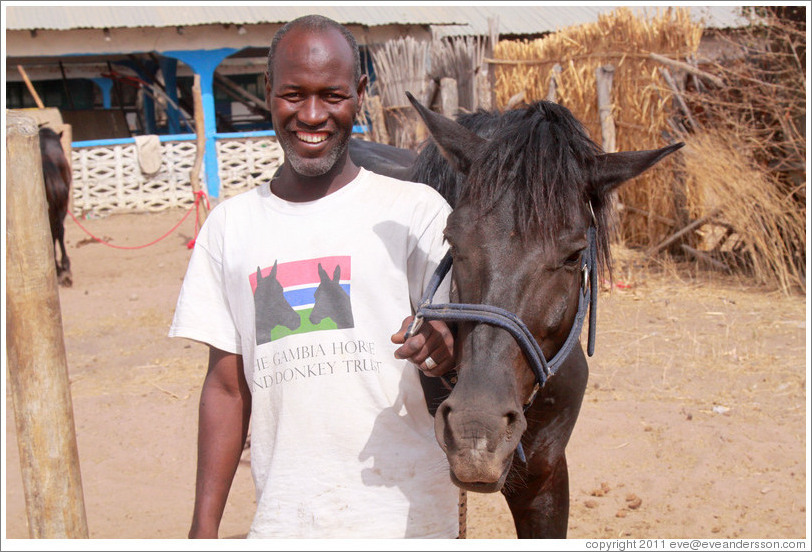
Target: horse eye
x,y
575,258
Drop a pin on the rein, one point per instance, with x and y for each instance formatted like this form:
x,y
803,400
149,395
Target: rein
x,y
508,321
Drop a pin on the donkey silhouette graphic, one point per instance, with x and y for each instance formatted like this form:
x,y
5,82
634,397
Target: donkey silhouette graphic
x,y
331,301
271,309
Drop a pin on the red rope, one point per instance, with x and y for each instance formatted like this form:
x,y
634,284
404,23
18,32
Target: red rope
x,y
190,245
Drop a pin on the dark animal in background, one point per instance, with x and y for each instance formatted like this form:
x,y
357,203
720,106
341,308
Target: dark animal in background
x,y
530,191
57,175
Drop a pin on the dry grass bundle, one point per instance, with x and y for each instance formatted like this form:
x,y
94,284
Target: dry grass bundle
x,y
400,66
764,98
459,58
762,229
641,101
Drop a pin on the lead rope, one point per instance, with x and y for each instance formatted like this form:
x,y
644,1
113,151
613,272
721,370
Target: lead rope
x,y
463,510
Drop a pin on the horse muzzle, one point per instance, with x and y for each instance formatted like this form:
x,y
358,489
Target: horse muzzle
x,y
479,446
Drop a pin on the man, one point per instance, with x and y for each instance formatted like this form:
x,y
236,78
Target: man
x,y
296,287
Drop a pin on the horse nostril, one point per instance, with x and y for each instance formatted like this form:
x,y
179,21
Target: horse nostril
x,y
443,412
514,422
442,429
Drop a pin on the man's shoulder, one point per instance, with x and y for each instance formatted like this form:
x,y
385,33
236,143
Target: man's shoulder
x,y
418,190
241,200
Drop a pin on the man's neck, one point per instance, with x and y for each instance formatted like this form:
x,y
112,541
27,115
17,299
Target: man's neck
x,y
294,187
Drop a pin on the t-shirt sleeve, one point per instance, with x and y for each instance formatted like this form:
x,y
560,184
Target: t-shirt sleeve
x,y
429,251
203,312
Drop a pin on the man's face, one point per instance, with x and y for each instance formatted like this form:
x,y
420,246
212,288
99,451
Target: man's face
x,y
314,99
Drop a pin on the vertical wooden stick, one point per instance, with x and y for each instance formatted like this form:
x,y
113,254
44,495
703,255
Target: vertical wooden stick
x,y
37,366
200,142
30,87
605,75
449,97
552,91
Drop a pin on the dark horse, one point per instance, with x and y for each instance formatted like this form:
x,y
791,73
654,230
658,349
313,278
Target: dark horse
x,y
331,301
531,198
57,176
271,309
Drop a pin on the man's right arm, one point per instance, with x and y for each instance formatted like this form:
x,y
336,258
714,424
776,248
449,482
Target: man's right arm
x,y
225,410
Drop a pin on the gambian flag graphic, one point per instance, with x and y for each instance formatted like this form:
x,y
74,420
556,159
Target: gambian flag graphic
x,y
302,296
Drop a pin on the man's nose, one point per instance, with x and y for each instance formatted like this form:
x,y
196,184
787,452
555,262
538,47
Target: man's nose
x,y
312,112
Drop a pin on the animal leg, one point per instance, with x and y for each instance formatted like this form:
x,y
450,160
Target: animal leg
x,y
63,272
540,504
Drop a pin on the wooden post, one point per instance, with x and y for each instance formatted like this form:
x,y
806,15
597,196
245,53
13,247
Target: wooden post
x,y
604,75
449,97
37,366
377,120
483,91
200,143
552,91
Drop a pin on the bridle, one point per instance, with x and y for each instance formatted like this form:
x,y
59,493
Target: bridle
x,y
508,321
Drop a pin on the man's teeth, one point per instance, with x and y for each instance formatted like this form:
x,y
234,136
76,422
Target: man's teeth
x,y
312,138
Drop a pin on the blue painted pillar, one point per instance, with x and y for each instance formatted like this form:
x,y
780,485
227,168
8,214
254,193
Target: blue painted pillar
x,y
169,69
204,63
105,85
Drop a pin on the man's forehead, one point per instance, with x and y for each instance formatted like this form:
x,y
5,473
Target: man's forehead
x,y
328,40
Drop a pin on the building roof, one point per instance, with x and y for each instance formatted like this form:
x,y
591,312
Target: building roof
x,y
514,19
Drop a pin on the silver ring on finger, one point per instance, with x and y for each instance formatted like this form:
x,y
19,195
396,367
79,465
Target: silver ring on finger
x,y
430,363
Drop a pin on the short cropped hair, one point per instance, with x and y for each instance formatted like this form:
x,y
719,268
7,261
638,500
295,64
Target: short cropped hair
x,y
315,23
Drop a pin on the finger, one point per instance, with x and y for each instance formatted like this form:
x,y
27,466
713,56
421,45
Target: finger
x,y
442,351
439,342
418,347
400,336
411,347
440,367
445,335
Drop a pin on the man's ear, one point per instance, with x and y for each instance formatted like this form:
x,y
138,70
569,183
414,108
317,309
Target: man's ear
x,y
362,90
267,91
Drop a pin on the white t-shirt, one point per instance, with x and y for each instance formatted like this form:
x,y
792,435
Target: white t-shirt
x,y
342,445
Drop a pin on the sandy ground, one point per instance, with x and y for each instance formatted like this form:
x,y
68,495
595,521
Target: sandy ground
x,y
693,425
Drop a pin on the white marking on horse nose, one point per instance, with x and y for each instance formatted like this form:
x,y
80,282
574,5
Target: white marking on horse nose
x,y
480,447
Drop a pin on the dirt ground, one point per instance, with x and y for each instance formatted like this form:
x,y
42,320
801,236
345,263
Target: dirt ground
x,y
693,425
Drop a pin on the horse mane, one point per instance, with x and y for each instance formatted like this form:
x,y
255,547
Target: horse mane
x,y
540,155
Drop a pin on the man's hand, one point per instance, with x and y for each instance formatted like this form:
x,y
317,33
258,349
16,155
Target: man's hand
x,y
433,341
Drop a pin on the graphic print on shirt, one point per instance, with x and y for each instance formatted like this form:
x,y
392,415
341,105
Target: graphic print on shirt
x,y
301,296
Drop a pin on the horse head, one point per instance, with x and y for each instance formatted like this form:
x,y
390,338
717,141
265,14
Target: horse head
x,y
530,189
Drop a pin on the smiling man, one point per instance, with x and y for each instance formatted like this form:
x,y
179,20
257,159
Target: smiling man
x,y
314,89
342,444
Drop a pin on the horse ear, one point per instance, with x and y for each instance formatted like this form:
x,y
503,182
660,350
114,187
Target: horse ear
x,y
337,273
322,274
613,169
273,270
457,144
259,274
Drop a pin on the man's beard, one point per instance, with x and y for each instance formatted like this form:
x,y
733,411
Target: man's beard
x,y
313,166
